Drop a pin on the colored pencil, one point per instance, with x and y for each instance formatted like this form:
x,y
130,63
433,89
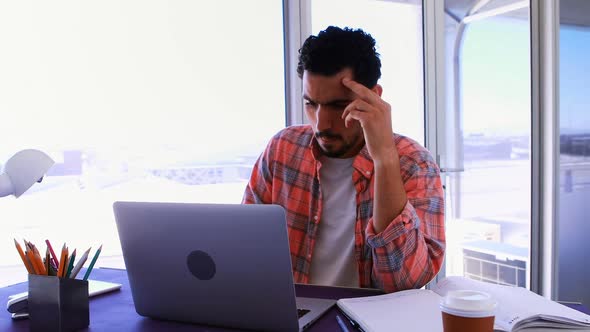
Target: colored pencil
x,y
62,260
31,257
80,263
47,261
91,266
53,256
23,257
70,265
40,265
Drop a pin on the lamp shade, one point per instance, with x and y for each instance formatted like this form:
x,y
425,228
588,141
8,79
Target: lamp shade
x,y
24,169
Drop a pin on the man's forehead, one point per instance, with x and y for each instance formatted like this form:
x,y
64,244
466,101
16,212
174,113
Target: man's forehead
x,y
346,72
326,89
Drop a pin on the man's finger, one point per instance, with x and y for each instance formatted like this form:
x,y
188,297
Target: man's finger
x,y
359,105
353,115
362,91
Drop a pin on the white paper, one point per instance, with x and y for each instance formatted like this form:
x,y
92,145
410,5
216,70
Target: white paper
x,y
418,310
409,311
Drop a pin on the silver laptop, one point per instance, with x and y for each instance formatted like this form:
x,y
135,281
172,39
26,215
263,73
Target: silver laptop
x,y
214,264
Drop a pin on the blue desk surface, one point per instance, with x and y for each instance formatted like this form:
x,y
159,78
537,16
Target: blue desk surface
x,y
115,311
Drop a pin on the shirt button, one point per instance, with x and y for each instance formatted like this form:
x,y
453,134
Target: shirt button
x,y
368,172
315,218
309,256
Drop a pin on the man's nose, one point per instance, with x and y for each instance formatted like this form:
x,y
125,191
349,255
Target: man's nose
x,y
325,118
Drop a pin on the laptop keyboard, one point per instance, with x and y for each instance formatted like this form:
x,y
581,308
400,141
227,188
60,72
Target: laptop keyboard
x,y
301,312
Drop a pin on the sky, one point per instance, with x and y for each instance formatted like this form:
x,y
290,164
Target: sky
x,y
496,77
496,69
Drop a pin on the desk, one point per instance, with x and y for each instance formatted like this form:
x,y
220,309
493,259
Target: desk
x,y
115,311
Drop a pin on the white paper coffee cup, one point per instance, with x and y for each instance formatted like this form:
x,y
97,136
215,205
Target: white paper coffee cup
x,y
468,310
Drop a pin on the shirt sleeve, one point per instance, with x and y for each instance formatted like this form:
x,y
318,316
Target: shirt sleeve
x,y
409,252
259,188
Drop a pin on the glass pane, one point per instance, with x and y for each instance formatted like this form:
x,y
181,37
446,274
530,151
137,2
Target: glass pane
x,y
487,139
574,160
135,100
397,28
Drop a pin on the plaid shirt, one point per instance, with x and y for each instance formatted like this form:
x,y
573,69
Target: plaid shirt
x,y
407,254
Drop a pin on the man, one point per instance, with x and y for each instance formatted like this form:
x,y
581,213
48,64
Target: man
x,y
364,205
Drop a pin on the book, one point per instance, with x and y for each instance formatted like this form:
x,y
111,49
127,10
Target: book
x,y
17,303
418,309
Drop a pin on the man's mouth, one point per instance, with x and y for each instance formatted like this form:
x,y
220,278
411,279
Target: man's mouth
x,y
327,137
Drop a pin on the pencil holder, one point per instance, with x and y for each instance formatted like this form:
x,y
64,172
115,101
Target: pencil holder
x,y
57,304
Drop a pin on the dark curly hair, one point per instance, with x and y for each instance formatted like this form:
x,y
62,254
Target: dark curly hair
x,y
335,49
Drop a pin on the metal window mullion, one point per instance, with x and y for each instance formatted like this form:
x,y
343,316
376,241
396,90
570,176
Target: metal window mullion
x,y
434,71
296,28
434,82
544,145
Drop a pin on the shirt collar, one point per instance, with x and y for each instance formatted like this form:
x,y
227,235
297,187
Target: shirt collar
x,y
363,163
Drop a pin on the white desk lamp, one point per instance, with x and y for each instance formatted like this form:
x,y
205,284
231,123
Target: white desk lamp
x,y
22,171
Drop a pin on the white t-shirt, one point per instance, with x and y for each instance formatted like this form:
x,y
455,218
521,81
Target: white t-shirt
x,y
333,262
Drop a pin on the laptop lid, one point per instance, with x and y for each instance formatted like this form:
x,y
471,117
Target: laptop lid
x,y
216,264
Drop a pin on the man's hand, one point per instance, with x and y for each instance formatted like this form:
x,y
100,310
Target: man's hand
x,y
374,115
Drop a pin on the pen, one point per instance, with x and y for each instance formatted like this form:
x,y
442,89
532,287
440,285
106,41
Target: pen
x,y
342,324
353,323
92,263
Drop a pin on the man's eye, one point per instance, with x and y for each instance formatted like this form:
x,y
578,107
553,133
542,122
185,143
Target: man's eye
x,y
309,103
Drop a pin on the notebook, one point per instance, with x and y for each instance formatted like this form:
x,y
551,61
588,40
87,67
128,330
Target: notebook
x,y
214,264
418,309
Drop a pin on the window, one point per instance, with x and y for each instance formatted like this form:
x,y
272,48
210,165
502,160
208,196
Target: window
x,y
574,148
488,197
135,100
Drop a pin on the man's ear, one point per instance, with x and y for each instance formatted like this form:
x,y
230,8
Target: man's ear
x,y
378,89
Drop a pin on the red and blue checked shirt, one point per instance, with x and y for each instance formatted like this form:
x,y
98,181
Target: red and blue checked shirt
x,y
407,254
